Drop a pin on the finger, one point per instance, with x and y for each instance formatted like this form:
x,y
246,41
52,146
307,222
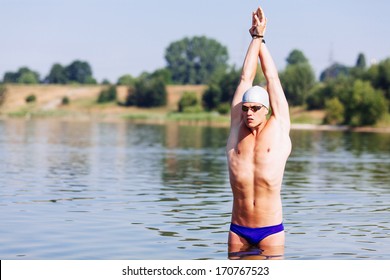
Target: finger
x,y
257,20
261,13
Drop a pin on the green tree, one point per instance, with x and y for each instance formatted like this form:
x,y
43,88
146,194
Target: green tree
x,y
80,72
359,70
317,96
365,105
298,78
296,57
334,111
188,102
3,93
212,96
164,74
57,75
379,75
361,61
107,95
195,60
126,80
149,91
23,76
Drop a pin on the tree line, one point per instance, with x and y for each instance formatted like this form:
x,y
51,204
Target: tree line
x,y
357,95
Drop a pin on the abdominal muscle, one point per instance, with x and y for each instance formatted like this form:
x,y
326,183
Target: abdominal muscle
x,y
256,206
256,190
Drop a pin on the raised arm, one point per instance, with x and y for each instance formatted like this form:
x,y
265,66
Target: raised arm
x,y
249,68
277,98
278,101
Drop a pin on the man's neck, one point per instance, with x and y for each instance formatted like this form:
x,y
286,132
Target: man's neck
x,y
258,129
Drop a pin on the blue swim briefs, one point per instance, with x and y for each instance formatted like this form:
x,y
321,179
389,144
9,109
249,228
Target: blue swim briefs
x,y
254,235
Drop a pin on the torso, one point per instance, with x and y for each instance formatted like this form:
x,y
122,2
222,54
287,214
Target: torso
x,y
256,166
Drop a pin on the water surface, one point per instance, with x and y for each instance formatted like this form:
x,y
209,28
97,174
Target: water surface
x,y
95,190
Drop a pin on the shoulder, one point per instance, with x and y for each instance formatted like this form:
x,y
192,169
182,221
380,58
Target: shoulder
x,y
278,126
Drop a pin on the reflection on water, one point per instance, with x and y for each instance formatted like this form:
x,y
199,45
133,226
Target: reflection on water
x,y
90,190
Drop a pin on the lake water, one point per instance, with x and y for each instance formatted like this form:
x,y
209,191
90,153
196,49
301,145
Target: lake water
x,y
95,190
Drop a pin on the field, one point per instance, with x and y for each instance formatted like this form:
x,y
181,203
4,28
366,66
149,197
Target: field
x,y
82,105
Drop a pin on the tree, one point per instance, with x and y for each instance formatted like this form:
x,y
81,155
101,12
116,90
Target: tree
x,y
296,57
3,93
298,78
164,74
23,76
107,95
57,75
361,61
335,111
195,60
359,70
364,105
379,75
80,72
189,102
149,91
212,96
126,80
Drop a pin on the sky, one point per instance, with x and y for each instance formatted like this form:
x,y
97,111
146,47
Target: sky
x,y
118,37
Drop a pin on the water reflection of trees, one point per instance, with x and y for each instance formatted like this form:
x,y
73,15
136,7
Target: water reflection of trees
x,y
328,158
195,156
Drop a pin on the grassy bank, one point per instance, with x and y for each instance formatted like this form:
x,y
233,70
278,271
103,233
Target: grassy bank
x,y
83,105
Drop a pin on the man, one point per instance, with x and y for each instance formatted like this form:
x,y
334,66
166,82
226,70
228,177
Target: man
x,y
257,149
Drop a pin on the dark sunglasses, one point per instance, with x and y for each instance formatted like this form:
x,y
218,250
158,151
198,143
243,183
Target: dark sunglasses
x,y
253,108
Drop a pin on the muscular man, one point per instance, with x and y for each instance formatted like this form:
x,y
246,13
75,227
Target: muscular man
x,y
257,149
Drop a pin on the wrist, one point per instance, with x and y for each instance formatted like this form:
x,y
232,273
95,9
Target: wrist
x,y
256,36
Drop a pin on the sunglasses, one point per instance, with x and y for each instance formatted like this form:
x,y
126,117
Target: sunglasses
x,y
253,108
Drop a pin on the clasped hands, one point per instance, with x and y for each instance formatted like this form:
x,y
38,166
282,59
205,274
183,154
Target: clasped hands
x,y
259,24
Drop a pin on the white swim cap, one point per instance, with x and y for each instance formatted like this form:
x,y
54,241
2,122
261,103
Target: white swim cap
x,y
256,94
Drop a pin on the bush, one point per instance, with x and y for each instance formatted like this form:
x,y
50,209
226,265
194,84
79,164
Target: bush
x,y
149,92
31,98
334,111
212,96
65,100
189,99
223,108
107,95
3,92
365,104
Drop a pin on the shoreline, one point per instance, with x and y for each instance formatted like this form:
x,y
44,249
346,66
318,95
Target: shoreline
x,y
186,120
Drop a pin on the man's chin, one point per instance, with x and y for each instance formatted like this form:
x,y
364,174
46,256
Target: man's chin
x,y
251,124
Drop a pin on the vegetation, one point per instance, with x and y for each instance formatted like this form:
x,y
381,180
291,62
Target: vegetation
x,y
23,76
31,98
65,100
76,72
189,103
298,78
107,95
149,91
195,60
3,93
354,96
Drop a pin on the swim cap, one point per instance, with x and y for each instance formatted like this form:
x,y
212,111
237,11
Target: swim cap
x,y
256,94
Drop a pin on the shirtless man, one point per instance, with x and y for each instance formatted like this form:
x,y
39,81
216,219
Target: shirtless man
x,y
257,150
